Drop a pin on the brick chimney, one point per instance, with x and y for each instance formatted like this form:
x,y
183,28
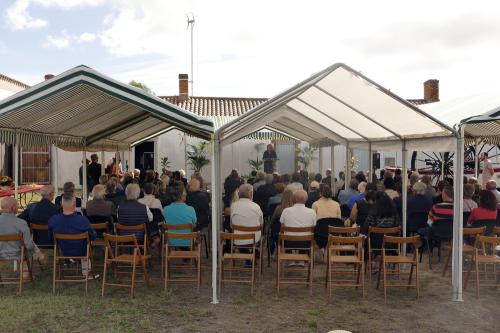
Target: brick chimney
x,y
431,91
48,76
183,87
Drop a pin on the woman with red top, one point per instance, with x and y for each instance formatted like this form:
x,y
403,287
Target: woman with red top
x,y
487,209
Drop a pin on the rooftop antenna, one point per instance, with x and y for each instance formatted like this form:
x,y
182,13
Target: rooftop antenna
x,y
190,24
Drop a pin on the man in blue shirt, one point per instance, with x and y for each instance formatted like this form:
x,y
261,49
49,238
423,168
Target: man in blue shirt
x,y
70,223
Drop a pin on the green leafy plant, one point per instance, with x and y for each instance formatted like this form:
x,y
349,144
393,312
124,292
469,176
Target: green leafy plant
x,y
306,156
165,165
197,156
256,164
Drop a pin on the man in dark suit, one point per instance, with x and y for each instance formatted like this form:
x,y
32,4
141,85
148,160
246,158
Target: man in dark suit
x,y
94,170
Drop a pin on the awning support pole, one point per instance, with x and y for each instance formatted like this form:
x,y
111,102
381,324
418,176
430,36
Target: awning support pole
x,y
55,169
84,177
348,156
370,163
103,163
332,162
216,214
476,158
320,161
456,264
404,191
16,166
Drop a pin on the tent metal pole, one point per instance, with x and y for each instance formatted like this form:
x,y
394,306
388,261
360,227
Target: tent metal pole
x,y
16,166
55,167
129,164
332,161
404,191
456,264
320,161
216,213
347,165
476,158
103,164
84,177
370,162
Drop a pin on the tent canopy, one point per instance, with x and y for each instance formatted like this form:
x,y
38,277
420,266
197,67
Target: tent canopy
x,y
343,105
480,113
83,109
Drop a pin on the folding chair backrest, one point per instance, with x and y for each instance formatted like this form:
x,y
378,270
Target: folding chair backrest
x,y
98,219
82,237
487,243
113,242
384,231
166,226
11,237
100,226
496,231
489,224
40,233
139,230
247,228
401,240
357,241
230,236
343,231
474,231
296,229
192,235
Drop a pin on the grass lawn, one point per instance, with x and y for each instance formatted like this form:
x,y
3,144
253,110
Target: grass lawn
x,y
183,309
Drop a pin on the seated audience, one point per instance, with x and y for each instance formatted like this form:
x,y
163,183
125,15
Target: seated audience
x,y
264,192
132,212
200,201
178,212
149,198
231,184
382,215
362,208
163,191
469,204
325,207
98,206
10,224
438,198
69,188
328,177
487,209
259,180
313,194
112,195
430,191
295,182
359,196
440,211
339,184
245,212
286,201
252,177
42,210
492,187
275,200
390,188
68,222
298,216
347,194
103,179
418,202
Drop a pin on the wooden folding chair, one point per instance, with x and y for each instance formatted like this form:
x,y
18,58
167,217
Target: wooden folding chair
x,y
254,230
344,232
467,250
118,251
486,249
286,256
395,257
172,228
100,229
378,232
60,259
192,255
17,264
37,229
496,231
235,259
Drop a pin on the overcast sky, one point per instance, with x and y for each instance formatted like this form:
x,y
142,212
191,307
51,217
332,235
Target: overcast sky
x,y
257,48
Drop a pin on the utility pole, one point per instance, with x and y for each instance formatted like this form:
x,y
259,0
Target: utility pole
x,y
190,24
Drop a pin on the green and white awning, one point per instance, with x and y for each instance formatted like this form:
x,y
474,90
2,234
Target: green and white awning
x,y
82,108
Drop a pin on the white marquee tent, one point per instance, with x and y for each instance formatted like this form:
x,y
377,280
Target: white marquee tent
x,y
341,106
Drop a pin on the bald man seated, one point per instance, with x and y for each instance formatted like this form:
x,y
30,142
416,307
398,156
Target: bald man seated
x,y
10,224
298,216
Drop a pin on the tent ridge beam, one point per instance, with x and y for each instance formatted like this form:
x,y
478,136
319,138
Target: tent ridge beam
x,y
336,120
358,112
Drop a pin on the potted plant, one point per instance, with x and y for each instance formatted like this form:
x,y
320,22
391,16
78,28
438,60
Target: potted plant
x,y
306,156
197,156
257,164
165,165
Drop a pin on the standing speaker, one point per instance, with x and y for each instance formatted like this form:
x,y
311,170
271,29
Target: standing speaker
x,y
376,161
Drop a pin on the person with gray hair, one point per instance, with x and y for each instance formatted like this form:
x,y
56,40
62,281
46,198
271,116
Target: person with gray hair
x,y
469,204
40,212
259,180
348,193
149,198
132,212
99,206
430,191
298,216
245,212
492,186
10,224
70,223
418,204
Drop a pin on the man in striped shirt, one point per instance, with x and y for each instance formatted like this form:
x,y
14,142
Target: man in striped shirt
x,y
440,211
